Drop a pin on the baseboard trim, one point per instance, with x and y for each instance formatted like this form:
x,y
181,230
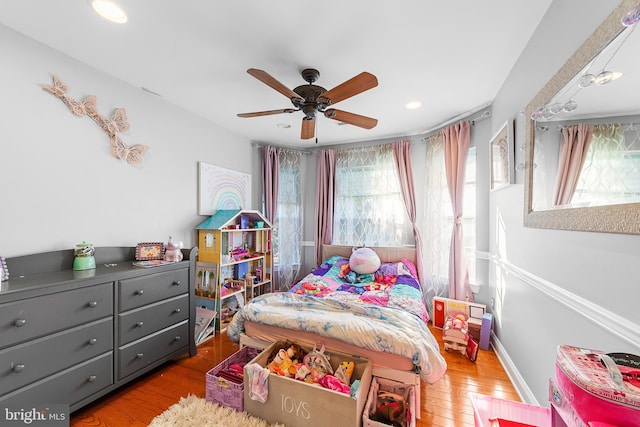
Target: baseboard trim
x,y
525,393
600,316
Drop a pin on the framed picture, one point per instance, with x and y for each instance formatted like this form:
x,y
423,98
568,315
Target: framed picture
x,y
4,270
501,153
220,188
150,250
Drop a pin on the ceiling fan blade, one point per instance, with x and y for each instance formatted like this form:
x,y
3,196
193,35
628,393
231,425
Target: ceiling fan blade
x,y
267,113
351,118
267,79
308,127
358,84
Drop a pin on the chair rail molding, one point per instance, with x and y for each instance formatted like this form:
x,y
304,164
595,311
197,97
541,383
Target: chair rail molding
x,y
622,328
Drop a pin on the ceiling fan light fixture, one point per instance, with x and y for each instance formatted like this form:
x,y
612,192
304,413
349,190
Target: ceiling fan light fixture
x,y
110,11
313,100
413,105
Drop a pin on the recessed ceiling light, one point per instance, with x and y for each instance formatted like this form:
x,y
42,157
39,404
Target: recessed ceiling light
x,y
283,125
413,105
109,11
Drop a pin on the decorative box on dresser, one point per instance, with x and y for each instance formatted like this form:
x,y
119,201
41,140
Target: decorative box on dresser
x,y
70,337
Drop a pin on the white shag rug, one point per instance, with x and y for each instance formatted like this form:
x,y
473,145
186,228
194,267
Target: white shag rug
x,y
193,411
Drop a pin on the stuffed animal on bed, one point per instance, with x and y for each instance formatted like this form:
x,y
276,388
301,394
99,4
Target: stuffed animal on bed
x,y
352,277
364,261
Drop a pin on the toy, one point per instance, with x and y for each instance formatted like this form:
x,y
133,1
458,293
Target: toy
x,y
173,251
318,363
282,363
352,277
344,371
455,333
286,361
364,261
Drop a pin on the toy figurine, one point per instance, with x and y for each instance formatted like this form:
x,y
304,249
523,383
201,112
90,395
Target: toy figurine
x,y
455,334
173,252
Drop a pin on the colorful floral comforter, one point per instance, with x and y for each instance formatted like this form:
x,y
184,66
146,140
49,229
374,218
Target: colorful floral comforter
x,y
393,285
329,303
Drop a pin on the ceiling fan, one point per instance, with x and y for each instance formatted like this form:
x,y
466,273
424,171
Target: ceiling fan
x,y
312,99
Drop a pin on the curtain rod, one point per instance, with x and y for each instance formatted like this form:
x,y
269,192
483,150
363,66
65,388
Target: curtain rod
x,y
559,128
258,145
481,116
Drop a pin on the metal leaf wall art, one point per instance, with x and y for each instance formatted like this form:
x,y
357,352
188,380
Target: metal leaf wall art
x,y
132,154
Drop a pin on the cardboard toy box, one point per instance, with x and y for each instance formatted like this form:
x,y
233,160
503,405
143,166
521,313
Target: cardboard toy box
x,y
296,403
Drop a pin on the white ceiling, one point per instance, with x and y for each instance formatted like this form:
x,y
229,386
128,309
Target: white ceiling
x,y
452,56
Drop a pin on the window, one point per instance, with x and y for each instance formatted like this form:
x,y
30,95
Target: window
x,y
439,218
611,171
368,206
287,230
469,214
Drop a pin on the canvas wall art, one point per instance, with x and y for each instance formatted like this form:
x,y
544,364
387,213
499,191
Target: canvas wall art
x,y
221,188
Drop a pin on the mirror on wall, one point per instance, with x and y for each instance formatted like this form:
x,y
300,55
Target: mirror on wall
x,y
582,166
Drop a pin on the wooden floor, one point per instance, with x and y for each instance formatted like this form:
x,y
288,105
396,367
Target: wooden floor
x,y
445,403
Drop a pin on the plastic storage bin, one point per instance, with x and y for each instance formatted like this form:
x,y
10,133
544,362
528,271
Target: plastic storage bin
x,y
487,408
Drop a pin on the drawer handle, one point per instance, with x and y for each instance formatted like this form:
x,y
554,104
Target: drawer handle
x,y
177,310
92,378
92,341
93,304
177,338
20,322
139,292
139,355
176,282
18,367
139,324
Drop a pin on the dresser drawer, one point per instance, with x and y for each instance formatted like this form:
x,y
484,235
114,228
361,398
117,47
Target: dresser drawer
x,y
31,318
142,353
139,291
137,323
28,362
69,386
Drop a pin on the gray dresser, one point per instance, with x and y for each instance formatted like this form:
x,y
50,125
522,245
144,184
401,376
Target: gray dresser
x,y
72,336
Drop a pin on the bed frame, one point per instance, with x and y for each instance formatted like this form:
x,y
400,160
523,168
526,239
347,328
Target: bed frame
x,y
273,334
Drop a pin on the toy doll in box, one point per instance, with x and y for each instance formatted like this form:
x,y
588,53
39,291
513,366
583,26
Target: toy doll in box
x,y
455,333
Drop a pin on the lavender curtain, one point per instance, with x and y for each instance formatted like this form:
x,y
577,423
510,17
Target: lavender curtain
x,y
402,156
573,151
270,171
325,178
456,147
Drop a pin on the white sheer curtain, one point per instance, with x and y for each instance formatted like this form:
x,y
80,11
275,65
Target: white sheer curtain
x,y
288,225
368,206
603,177
438,223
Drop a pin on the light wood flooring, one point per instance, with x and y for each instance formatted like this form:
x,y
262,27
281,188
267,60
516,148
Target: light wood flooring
x,y
445,403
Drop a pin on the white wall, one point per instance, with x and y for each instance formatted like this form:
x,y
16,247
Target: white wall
x,y
556,287
61,185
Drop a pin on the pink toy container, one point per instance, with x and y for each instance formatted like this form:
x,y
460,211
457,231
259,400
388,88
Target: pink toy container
x,y
599,388
490,411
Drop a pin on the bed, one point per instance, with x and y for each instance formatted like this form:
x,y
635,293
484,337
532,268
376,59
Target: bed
x,y
384,320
